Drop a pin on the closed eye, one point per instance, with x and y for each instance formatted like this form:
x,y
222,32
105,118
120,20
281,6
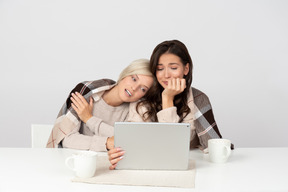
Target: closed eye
x,y
159,69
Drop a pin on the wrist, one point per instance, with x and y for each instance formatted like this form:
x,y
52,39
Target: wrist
x,y
87,119
167,101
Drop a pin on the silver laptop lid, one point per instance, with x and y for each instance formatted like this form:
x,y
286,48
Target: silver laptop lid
x,y
162,146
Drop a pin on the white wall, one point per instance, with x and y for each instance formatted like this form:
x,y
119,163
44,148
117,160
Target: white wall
x,y
239,50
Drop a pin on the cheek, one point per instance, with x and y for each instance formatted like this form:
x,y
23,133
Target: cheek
x,y
139,95
178,74
159,74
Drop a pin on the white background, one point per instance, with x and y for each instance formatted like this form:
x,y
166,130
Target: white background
x,y
239,50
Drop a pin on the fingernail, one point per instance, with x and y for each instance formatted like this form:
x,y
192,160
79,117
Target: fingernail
x,y
121,157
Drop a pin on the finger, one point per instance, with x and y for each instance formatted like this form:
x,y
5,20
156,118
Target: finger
x,y
169,83
91,102
115,161
75,102
82,98
173,83
114,150
77,99
183,84
178,85
75,108
113,166
116,155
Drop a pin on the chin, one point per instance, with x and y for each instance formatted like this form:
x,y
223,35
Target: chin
x,y
164,86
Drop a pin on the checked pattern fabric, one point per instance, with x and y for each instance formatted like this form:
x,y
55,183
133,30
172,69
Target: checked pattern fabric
x,y
67,119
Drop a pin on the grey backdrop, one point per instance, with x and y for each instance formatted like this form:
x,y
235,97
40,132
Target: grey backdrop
x,y
239,50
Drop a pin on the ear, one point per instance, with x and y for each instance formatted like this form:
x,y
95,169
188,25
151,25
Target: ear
x,y
186,69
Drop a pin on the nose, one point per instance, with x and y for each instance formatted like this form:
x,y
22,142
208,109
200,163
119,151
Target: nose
x,y
166,73
136,87
133,87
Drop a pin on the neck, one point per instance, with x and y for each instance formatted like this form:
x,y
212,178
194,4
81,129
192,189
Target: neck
x,y
111,97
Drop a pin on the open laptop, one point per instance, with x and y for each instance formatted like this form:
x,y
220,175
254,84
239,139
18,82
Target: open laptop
x,y
156,146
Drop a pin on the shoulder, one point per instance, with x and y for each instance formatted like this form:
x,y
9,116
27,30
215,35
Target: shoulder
x,y
97,83
137,107
200,98
86,87
94,84
136,114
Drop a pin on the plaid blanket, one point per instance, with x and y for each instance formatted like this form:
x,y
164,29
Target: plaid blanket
x,y
205,125
67,119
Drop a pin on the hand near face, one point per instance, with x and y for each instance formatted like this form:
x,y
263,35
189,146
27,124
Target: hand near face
x,y
175,87
81,106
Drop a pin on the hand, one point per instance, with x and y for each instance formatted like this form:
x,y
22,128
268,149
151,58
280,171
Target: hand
x,y
115,155
81,106
175,87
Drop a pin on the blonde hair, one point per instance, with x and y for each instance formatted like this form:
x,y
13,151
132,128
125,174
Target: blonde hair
x,y
137,67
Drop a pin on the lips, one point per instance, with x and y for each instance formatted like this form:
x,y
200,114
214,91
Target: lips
x,y
128,92
165,82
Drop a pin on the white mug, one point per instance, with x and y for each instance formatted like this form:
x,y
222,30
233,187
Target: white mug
x,y
219,150
83,163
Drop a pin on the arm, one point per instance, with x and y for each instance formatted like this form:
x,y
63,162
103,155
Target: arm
x,y
98,140
76,140
169,111
84,112
170,115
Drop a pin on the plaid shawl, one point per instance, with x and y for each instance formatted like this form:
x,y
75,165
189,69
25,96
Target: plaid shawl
x,y
205,125
67,119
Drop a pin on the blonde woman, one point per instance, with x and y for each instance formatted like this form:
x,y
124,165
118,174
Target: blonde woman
x,y
86,119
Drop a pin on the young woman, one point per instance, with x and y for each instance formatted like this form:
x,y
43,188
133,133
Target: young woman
x,y
173,99
86,120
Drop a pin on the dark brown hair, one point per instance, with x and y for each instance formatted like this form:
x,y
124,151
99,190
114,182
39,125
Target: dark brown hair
x,y
153,98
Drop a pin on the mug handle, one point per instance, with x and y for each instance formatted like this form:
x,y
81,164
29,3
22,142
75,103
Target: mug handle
x,y
228,150
68,164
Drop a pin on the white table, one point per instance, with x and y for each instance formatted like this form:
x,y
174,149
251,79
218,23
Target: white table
x,y
248,169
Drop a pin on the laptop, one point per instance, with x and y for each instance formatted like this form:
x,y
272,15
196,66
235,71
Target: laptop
x,y
153,146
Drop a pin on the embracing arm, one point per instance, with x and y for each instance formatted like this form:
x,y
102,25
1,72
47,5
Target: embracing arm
x,y
77,140
84,112
84,142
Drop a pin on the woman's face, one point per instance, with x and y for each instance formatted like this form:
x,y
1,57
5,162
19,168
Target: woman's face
x,y
134,87
170,66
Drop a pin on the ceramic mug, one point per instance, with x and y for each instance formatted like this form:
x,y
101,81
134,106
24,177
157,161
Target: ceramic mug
x,y
82,163
219,150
